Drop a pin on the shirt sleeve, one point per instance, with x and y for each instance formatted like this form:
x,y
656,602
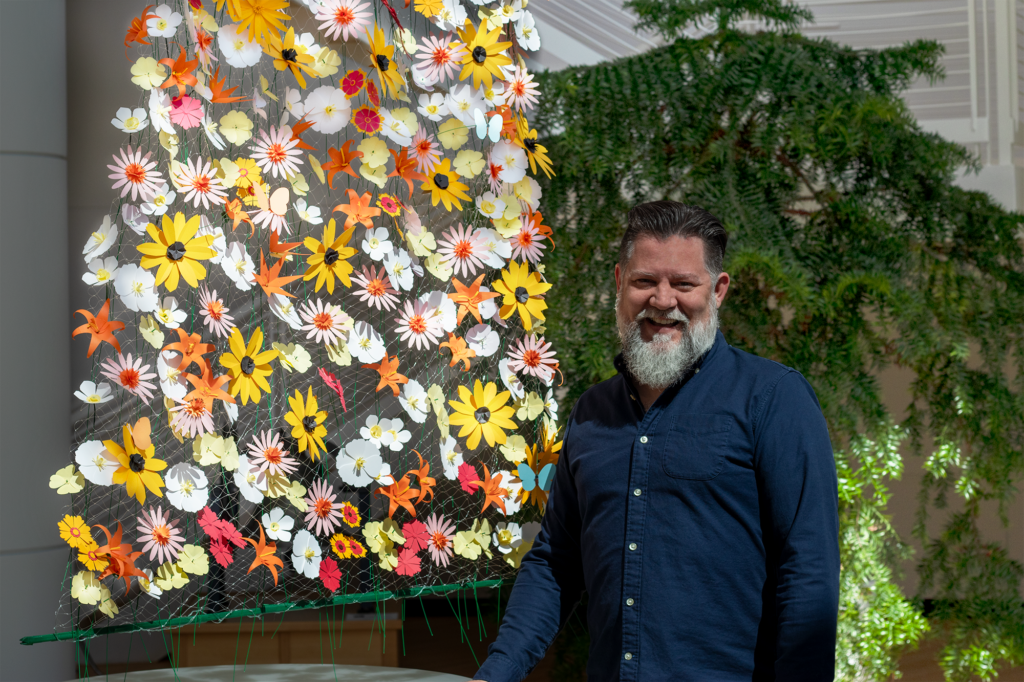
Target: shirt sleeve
x,y
547,588
797,477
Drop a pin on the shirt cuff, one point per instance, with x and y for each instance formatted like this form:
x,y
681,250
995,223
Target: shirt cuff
x,y
499,668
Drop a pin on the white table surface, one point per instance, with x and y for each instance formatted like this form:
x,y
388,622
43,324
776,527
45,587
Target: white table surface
x,y
285,672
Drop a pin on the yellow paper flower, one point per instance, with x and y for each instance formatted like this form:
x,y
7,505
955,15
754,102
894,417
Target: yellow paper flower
x,y
296,494
85,587
235,127
482,413
107,606
139,467
378,176
339,354
285,56
259,17
89,556
444,186
469,163
326,62
74,531
521,291
382,56
67,481
177,251
240,173
484,55
148,73
472,543
452,134
329,258
194,560
170,576
151,331
515,449
307,421
248,365
293,357
213,449
530,407
536,154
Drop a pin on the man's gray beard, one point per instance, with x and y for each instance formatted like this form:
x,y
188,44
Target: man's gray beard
x,y
659,363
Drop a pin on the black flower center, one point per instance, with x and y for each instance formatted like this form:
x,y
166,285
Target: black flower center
x,y
383,63
530,144
289,55
330,256
479,54
176,251
247,365
309,423
483,415
441,180
522,295
137,463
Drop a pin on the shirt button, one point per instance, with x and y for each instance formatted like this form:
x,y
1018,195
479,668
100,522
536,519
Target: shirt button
x,y
643,439
629,602
632,546
628,656
637,492
696,370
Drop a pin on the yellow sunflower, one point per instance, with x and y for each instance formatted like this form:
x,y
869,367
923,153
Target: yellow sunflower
x,y
484,55
89,556
177,251
443,185
536,153
286,56
259,17
383,57
307,423
248,366
521,290
75,531
139,467
482,413
330,258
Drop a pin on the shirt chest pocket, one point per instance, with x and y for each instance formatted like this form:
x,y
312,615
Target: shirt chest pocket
x,y
695,446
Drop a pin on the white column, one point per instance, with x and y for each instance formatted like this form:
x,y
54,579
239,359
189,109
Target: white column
x,y
35,328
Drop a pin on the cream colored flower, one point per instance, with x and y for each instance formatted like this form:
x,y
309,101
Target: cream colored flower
x,y
326,62
453,133
194,560
375,152
148,73
293,357
85,587
213,449
235,127
468,163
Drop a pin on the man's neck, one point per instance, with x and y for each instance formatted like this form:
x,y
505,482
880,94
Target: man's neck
x,y
648,395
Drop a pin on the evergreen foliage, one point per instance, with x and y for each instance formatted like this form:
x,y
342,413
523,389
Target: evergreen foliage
x,y
851,250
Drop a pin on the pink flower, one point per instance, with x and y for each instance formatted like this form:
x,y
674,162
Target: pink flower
x,y
533,356
419,325
408,562
494,172
192,417
323,514
135,172
186,112
416,536
439,59
275,152
343,18
335,385
214,313
131,376
325,322
461,248
161,535
467,476
329,574
376,290
521,91
426,151
268,456
527,244
200,183
440,534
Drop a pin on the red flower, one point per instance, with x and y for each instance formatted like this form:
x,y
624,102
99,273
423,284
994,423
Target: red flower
x,y
408,562
209,522
356,548
467,476
415,535
330,575
353,82
333,384
222,552
366,120
371,92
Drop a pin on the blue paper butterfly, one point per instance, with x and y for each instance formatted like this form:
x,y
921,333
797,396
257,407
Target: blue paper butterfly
x,y
532,480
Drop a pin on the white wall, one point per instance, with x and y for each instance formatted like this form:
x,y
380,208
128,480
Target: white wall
x,y
35,327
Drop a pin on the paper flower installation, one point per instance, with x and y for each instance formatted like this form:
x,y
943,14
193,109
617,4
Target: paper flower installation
x,y
317,312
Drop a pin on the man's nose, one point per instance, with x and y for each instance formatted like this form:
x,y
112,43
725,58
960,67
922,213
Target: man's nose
x,y
663,297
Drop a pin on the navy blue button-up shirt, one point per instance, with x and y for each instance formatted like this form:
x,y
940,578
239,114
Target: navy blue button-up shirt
x,y
704,530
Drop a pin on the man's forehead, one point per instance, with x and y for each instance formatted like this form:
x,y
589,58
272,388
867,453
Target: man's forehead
x,y
676,256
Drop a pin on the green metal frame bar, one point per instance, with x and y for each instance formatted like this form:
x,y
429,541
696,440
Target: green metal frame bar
x,y
82,635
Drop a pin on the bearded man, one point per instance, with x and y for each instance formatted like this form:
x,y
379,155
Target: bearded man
x,y
695,500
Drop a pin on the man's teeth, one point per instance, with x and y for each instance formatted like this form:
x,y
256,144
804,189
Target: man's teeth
x,y
662,320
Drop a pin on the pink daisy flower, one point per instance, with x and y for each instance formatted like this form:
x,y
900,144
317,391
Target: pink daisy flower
x,y
202,41
439,59
534,357
376,291
527,244
419,324
214,313
268,456
462,249
131,376
323,514
200,183
186,112
275,152
192,417
494,171
441,533
161,536
343,19
135,172
325,322
521,91
425,150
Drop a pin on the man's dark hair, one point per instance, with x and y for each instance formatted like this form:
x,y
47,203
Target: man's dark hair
x,y
664,219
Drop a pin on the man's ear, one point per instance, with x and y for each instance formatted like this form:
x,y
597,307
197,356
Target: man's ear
x,y
721,287
618,278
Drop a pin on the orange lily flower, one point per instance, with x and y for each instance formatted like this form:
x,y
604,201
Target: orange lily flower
x,y
100,328
389,376
426,482
341,160
301,126
192,349
279,249
405,168
181,72
269,280
139,30
470,297
237,214
207,387
221,94
534,218
122,558
492,493
460,352
400,494
358,209
265,555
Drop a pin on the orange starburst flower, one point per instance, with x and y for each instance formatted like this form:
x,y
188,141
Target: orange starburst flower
x,y
235,213
265,555
400,494
426,482
301,126
341,162
279,249
493,493
181,72
358,209
99,327
460,352
192,349
389,376
139,30
470,297
207,387
405,168
220,94
270,280
121,557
